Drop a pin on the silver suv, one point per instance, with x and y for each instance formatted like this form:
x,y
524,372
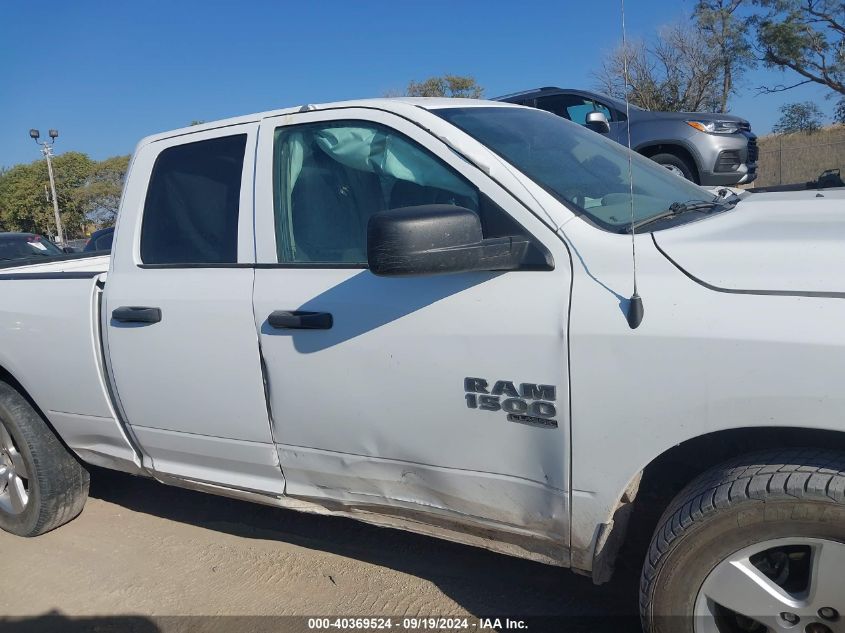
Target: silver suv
x,y
710,149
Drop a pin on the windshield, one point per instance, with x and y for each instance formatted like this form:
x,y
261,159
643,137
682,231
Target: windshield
x,y
578,166
25,246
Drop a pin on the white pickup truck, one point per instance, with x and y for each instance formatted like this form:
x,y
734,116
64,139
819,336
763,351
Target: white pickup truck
x,y
418,313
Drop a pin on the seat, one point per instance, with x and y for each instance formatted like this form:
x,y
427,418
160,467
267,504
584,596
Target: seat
x,y
330,206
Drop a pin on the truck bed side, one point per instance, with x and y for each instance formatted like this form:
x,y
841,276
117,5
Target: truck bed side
x,y
59,360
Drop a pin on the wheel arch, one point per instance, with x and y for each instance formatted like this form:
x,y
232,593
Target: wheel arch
x,y
673,147
9,378
650,491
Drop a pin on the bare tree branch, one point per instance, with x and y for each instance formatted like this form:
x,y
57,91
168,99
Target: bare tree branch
x,y
780,88
678,71
821,77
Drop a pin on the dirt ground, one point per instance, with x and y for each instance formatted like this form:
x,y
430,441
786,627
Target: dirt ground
x,y
143,556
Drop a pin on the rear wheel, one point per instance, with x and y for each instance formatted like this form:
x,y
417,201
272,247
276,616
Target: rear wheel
x,y
42,485
676,165
754,546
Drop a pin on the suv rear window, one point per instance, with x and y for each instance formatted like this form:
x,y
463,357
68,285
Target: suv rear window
x,y
191,210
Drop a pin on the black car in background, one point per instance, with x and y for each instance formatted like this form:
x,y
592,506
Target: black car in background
x,y
26,246
99,241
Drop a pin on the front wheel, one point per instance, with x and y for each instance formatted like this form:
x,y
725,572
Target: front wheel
x,y
42,485
754,546
676,165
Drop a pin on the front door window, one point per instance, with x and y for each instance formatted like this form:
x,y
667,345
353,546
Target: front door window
x,y
329,178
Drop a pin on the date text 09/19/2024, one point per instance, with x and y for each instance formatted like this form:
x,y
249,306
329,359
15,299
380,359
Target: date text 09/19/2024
x,y
420,623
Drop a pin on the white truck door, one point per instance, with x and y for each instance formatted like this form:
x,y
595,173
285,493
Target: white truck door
x,y
181,338
443,395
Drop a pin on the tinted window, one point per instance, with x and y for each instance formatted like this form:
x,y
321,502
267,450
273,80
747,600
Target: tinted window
x,y
26,246
572,107
559,104
100,240
191,211
329,178
103,243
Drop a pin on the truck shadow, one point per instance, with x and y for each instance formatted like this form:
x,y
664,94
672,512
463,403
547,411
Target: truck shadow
x,y
55,621
483,583
364,303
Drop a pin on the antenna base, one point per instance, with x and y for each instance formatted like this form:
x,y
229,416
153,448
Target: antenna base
x,y
635,311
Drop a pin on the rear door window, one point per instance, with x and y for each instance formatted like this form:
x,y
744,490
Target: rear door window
x,y
192,205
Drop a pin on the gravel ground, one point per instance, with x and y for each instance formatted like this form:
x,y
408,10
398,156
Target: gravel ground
x,y
143,557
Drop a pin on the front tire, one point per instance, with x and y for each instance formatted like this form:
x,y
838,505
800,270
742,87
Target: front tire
x,y
754,545
676,165
42,486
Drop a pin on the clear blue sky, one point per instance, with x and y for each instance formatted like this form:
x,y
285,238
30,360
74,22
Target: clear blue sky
x,y
107,73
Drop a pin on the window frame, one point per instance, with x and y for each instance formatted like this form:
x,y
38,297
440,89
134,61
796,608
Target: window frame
x,y
126,244
520,211
146,217
354,122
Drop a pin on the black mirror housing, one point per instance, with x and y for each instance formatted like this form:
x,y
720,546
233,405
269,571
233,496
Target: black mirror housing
x,y
437,239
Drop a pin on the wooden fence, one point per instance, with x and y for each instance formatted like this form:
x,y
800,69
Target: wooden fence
x,y
793,158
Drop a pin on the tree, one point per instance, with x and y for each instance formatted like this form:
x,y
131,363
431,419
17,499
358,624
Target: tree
x,y
839,113
99,196
806,37
678,71
72,170
446,86
24,200
725,32
88,191
798,117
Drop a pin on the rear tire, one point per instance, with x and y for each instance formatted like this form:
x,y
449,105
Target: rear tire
x,y
677,165
740,548
42,486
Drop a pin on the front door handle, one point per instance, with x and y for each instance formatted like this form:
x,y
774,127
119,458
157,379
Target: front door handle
x,y
136,314
300,320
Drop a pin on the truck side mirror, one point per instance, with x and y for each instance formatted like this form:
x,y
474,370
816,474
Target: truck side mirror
x,y
597,122
436,239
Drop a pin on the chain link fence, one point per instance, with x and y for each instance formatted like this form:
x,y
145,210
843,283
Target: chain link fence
x,y
77,244
796,158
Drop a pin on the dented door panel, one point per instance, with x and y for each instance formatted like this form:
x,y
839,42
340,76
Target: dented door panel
x,y
375,409
443,395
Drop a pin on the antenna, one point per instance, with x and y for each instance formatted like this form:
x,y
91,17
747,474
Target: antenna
x,y
635,303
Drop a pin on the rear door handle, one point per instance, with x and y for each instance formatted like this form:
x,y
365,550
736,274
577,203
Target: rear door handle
x,y
300,320
136,314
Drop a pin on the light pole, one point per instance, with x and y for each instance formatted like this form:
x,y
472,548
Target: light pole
x,y
47,150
